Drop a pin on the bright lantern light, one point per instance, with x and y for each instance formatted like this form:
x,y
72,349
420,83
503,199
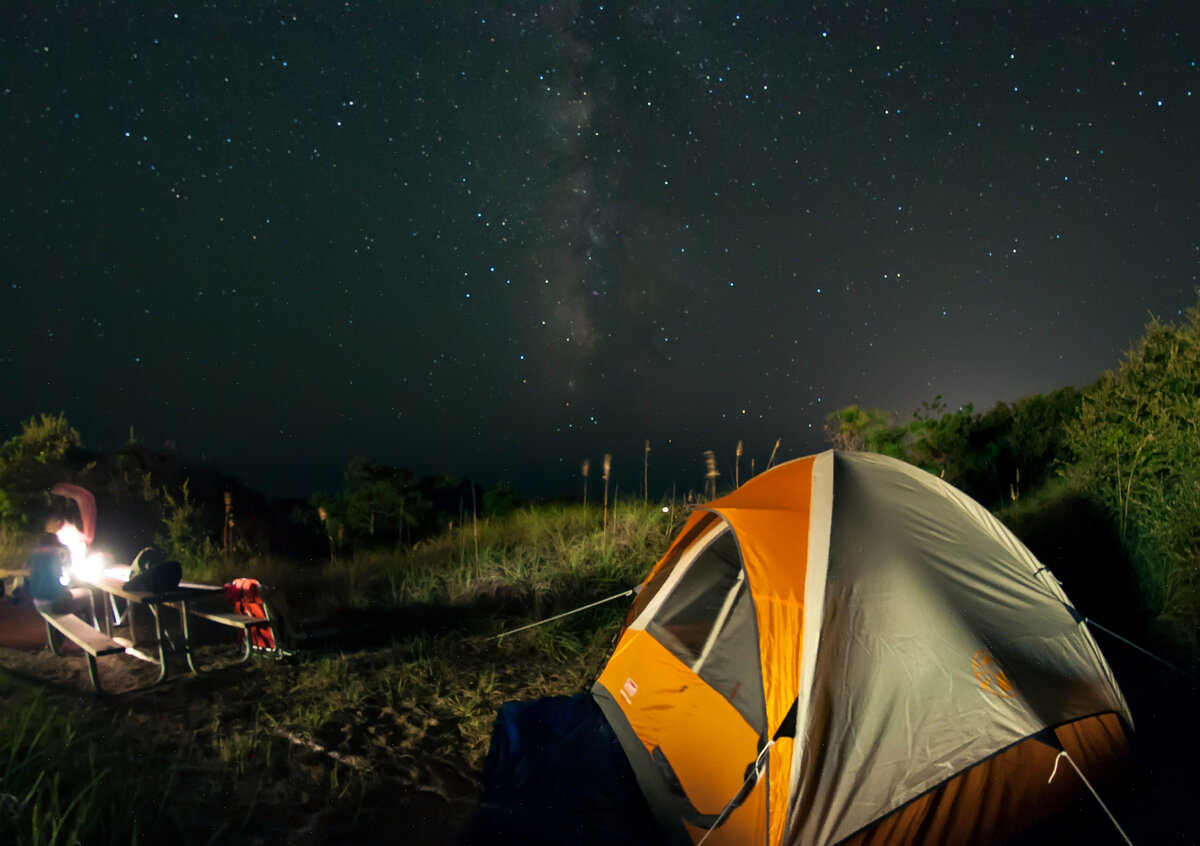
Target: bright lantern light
x,y
73,539
90,568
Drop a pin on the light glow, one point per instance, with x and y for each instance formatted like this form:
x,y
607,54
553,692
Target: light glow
x,y
75,542
91,567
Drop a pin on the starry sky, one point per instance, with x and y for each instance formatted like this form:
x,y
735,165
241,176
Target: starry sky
x,y
495,239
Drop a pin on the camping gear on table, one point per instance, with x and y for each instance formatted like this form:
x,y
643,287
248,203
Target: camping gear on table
x,y
152,571
847,649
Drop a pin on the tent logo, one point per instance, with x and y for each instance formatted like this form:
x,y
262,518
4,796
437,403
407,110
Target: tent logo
x,y
989,675
629,690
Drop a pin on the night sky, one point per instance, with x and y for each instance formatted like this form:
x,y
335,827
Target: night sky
x,y
494,240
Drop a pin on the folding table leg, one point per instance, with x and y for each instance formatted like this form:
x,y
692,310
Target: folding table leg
x,y
93,672
187,638
162,644
51,639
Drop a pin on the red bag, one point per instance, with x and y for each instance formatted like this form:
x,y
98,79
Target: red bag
x,y
246,597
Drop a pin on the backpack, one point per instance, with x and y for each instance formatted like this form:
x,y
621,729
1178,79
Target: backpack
x,y
246,597
152,571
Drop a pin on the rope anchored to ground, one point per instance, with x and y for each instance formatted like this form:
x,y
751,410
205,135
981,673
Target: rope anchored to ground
x,y
628,592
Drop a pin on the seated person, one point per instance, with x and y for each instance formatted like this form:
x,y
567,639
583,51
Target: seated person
x,y
47,583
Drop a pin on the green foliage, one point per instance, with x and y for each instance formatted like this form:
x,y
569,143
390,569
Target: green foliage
x,y
331,517
500,500
378,505
32,462
1137,452
941,441
45,439
58,784
534,561
185,538
869,429
992,456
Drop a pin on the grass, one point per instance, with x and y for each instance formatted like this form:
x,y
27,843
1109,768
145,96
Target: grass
x,y
530,561
60,779
343,744
323,737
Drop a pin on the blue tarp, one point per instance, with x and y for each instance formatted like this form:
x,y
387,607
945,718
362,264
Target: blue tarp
x,y
556,773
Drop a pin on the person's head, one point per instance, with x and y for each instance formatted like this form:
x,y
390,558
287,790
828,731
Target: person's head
x,y
50,517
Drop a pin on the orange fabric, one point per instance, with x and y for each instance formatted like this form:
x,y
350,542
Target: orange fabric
x,y
1006,793
706,741
770,517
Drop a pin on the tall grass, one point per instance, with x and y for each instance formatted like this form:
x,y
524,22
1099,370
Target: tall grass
x,y
545,556
61,780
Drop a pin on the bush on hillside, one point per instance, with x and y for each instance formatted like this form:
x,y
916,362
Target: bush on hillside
x,y
1136,448
32,462
992,456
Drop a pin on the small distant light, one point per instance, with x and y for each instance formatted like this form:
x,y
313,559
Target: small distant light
x,y
666,509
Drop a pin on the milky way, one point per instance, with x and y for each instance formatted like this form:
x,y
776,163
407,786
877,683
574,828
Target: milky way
x,y
496,242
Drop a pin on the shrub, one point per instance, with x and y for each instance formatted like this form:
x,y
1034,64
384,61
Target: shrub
x,y
1137,452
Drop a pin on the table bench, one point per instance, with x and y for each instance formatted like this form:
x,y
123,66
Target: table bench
x,y
18,576
93,643
222,617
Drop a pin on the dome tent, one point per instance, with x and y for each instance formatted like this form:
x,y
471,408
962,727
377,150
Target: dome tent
x,y
848,649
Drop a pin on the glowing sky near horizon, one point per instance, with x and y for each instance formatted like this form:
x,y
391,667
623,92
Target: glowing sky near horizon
x,y
495,240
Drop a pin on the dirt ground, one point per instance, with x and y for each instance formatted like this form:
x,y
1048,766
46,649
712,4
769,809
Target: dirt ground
x,y
426,805
23,650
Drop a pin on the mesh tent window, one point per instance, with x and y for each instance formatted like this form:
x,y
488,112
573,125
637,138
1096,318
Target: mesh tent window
x,y
707,622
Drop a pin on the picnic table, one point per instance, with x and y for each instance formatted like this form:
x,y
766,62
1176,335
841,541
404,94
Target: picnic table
x,y
17,574
112,582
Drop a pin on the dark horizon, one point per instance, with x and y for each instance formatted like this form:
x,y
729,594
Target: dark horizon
x,y
493,243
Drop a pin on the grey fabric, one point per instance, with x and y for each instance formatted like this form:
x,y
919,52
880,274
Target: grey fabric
x,y
941,644
734,668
